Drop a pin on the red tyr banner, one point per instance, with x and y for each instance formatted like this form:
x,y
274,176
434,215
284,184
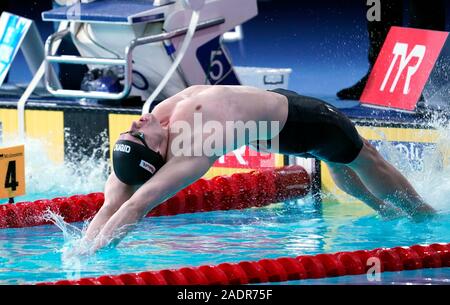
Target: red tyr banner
x,y
403,68
245,157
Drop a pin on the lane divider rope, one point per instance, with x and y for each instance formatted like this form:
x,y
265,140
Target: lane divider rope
x,y
283,269
238,191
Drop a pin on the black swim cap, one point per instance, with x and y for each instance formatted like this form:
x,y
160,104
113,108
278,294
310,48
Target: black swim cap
x,y
135,164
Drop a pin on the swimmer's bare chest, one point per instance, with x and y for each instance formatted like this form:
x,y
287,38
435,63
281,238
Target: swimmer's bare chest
x,y
224,111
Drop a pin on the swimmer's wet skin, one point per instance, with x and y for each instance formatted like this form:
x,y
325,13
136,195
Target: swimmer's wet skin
x,y
308,127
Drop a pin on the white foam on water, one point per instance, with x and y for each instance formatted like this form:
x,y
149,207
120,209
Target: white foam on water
x,y
72,252
429,172
87,174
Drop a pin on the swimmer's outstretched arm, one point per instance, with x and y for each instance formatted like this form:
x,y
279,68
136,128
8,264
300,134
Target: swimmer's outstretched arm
x,y
175,175
116,193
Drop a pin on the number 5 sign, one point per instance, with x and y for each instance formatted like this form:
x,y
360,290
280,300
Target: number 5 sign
x,y
216,64
12,172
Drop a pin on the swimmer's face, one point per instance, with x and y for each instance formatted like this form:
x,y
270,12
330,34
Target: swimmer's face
x,y
153,132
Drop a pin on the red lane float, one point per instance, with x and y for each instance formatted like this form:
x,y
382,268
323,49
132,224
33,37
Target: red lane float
x,y
238,191
284,269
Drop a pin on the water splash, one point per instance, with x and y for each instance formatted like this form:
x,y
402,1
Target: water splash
x,y
428,170
73,260
81,172
77,252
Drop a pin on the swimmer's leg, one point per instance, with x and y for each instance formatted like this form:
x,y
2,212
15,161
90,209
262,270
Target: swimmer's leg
x,y
385,182
348,181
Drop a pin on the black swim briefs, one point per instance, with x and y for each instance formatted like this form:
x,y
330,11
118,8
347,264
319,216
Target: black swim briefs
x,y
318,130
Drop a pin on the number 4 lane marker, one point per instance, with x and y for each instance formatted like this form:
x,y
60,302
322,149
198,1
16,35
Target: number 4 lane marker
x,y
12,172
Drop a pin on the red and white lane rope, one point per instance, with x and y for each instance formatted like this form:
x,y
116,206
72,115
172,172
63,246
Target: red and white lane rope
x,y
283,269
238,191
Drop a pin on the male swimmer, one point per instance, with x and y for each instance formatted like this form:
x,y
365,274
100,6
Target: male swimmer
x,y
149,167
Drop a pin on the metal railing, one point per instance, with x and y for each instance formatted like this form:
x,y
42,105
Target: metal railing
x,y
126,62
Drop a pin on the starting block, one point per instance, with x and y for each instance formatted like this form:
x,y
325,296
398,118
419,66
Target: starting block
x,y
142,37
115,11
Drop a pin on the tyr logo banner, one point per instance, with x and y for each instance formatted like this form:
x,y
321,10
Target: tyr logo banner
x,y
403,67
245,157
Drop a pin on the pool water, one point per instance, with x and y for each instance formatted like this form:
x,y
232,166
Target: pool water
x,y
31,255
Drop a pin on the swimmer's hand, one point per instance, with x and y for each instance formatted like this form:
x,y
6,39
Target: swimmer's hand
x,y
110,241
77,249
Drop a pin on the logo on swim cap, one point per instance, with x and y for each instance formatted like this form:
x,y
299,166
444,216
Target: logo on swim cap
x,y
122,148
147,166
135,164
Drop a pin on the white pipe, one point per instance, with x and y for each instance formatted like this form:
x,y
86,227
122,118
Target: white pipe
x,y
187,41
33,84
